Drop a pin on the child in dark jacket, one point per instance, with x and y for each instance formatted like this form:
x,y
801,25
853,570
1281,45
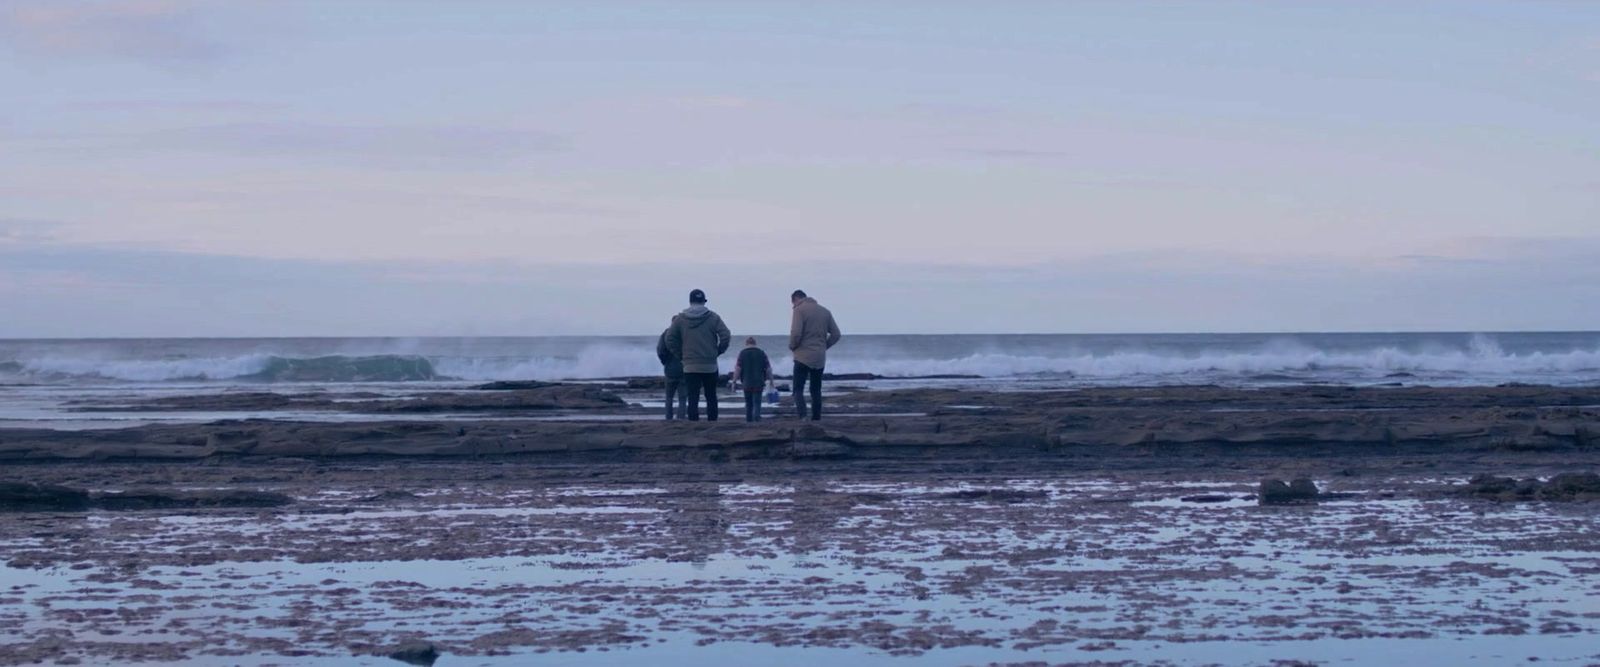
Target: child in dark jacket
x,y
754,371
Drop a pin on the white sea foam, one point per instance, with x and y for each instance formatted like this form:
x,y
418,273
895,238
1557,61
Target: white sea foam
x,y
146,370
1480,360
597,361
1145,363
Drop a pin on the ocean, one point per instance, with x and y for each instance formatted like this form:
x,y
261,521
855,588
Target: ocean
x,y
1023,361
68,384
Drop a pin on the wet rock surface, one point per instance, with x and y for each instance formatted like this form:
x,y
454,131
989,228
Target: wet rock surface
x,y
599,422
23,496
556,397
1207,498
153,499
29,496
1116,526
1277,491
1002,560
415,652
515,385
1567,486
492,398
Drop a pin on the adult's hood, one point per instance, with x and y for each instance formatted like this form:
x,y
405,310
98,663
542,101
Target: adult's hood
x,y
696,315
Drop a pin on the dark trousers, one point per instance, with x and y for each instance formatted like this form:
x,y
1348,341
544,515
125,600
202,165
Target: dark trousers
x,y
698,382
677,393
752,405
802,375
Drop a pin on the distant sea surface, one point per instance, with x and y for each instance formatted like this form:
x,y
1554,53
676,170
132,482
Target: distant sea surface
x,y
1567,358
49,383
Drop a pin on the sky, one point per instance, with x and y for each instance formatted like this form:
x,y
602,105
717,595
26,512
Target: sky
x,y
286,168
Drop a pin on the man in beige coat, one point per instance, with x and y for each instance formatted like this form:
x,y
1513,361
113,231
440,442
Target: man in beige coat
x,y
811,332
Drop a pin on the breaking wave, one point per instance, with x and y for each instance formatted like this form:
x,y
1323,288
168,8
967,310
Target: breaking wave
x,y
598,361
1480,361
1375,362
253,367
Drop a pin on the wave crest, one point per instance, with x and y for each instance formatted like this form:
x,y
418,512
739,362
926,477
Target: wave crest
x,y
1481,360
252,367
1376,362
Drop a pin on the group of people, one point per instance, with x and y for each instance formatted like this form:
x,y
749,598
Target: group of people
x,y
689,348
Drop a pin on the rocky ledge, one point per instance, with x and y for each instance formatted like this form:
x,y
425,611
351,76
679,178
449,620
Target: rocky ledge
x,y
33,496
497,397
598,423
1564,486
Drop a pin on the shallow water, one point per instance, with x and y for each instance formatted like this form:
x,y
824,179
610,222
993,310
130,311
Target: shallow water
x,y
863,571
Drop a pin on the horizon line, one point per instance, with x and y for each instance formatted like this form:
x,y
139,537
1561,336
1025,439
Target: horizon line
x,y
1353,332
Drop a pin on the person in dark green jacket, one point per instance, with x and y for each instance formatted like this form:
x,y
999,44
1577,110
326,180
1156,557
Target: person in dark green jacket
x,y
672,369
697,337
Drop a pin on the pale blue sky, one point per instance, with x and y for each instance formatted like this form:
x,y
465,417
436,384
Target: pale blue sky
x,y
415,168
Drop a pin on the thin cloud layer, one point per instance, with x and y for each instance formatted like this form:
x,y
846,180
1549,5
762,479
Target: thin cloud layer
x,y
1581,250
19,231
363,144
161,31
181,106
1058,166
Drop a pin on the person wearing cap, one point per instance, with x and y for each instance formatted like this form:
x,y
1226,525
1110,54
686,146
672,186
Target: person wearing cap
x,y
697,337
811,332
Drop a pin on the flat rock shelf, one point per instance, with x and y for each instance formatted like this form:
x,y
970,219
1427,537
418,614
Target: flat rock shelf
x,y
1090,527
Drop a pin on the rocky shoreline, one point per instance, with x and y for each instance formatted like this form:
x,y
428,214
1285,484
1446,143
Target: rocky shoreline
x,y
1105,526
595,422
